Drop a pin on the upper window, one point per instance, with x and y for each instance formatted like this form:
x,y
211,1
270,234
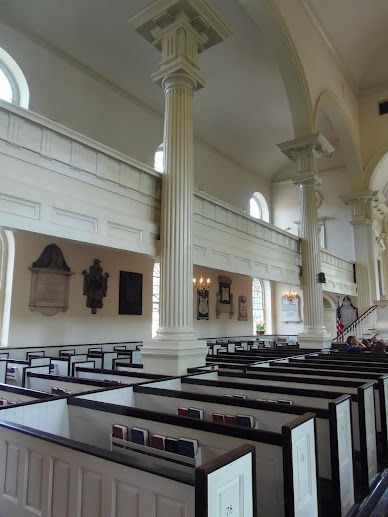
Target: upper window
x,y
257,303
159,159
258,207
13,84
155,298
6,90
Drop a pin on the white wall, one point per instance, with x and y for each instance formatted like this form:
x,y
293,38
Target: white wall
x,y
339,232
223,326
77,324
68,94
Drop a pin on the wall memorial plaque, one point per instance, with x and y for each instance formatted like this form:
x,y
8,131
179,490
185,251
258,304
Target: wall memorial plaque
x,y
225,303
131,293
49,292
202,304
242,308
290,310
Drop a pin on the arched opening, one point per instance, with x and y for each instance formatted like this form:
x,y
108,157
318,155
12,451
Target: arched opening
x,y
155,298
13,84
258,317
159,159
329,315
258,207
7,260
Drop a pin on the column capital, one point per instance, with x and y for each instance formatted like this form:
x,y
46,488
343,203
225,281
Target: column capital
x,y
362,205
181,30
307,180
305,150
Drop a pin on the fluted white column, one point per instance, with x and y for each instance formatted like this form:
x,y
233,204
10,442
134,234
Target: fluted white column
x,y
176,265
385,261
311,256
180,33
304,151
364,247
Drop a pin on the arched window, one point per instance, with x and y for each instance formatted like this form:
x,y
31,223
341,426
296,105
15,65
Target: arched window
x,y
13,84
258,207
6,90
155,298
159,159
257,303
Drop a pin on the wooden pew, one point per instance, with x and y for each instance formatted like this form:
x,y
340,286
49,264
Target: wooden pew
x,y
363,410
84,479
274,493
335,461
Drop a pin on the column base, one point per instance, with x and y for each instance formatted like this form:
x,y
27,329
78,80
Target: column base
x,y
314,337
170,357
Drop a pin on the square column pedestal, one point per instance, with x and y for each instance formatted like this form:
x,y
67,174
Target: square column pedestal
x,y
382,319
173,357
316,339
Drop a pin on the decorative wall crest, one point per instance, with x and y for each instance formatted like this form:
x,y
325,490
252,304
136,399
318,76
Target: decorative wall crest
x,y
49,292
242,308
202,304
224,297
95,286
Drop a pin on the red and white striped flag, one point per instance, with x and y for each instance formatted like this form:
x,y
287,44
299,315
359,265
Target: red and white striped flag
x,y
339,325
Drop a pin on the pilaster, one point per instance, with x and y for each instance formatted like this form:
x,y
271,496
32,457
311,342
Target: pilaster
x,y
180,29
304,151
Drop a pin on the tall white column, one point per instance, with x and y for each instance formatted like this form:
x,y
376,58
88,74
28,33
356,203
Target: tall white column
x,y
181,30
176,264
304,151
364,247
384,238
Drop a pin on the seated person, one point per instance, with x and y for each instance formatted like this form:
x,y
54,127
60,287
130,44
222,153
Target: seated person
x,y
379,347
354,345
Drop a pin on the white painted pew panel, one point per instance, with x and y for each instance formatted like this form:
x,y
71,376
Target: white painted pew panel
x,y
50,416
269,458
44,479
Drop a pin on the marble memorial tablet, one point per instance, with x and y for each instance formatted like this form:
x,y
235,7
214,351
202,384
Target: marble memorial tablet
x,y
290,310
50,282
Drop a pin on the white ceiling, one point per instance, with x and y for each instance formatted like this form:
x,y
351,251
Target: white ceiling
x,y
358,31
243,111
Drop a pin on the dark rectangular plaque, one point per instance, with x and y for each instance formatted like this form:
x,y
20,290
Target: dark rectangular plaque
x,y
131,293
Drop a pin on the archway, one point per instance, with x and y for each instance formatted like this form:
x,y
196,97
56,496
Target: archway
x,y
329,315
271,24
331,106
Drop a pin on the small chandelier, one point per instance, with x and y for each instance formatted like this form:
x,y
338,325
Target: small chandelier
x,y
290,295
201,284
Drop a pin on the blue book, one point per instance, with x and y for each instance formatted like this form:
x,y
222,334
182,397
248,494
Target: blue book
x,y
195,413
139,435
187,447
245,421
171,445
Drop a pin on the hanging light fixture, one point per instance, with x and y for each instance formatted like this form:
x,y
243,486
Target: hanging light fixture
x,y
201,284
290,295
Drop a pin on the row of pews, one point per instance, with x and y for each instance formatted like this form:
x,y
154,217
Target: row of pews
x,y
277,432
313,379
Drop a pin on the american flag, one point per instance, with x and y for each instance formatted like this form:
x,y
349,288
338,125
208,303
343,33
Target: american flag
x,y
339,325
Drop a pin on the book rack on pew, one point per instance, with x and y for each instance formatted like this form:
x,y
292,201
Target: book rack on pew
x,y
128,447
